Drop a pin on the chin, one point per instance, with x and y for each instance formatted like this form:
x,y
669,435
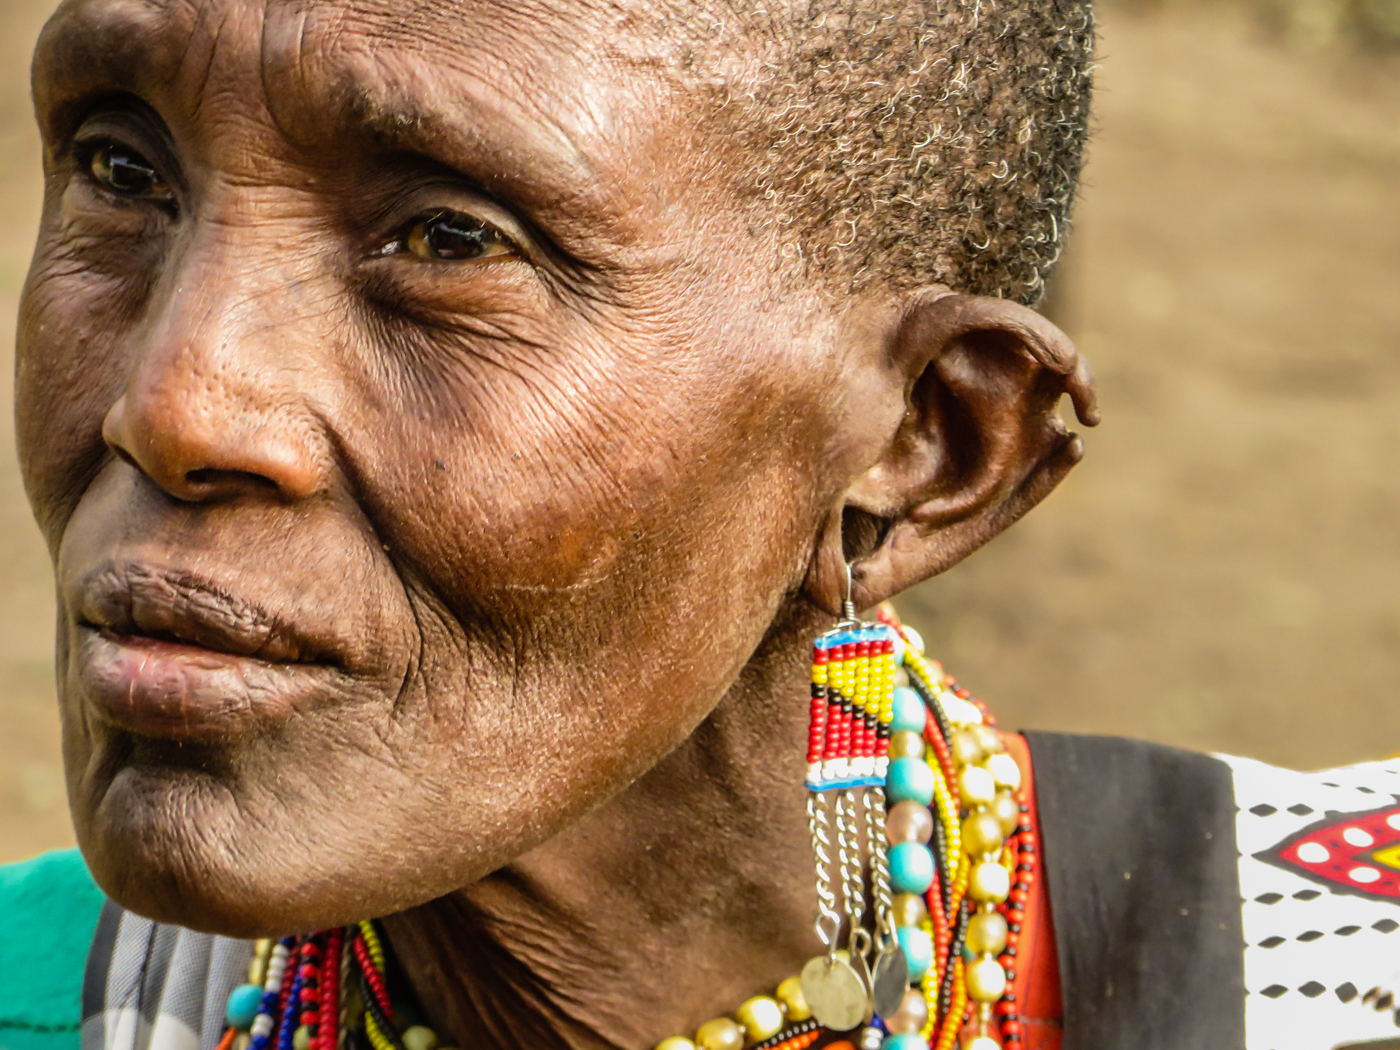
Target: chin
x,y
172,845
247,856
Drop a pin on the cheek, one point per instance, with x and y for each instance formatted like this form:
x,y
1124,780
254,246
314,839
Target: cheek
x,y
70,368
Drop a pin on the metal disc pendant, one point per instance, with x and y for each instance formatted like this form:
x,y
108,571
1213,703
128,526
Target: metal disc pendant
x,y
834,993
890,980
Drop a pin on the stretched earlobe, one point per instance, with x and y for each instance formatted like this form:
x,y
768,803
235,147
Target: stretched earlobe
x,y
978,443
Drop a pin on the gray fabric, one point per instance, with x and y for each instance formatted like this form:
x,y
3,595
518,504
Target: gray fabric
x,y
155,987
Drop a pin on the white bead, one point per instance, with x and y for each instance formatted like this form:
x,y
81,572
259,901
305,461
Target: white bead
x,y
916,640
958,711
1004,771
977,786
983,1042
262,1025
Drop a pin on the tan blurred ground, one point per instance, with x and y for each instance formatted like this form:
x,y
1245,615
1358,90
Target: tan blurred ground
x,y
1223,571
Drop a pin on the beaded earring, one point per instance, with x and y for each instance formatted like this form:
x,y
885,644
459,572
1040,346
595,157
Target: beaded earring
x,y
887,728
852,697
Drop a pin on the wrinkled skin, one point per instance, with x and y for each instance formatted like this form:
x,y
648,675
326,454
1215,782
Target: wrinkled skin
x,y
471,585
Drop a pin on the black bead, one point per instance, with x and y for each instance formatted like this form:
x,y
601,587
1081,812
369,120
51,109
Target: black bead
x,y
1014,927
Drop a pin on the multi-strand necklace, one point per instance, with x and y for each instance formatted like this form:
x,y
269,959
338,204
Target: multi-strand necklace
x,y
925,857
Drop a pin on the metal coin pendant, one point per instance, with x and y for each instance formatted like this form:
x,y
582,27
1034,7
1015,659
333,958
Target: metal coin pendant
x,y
890,980
835,993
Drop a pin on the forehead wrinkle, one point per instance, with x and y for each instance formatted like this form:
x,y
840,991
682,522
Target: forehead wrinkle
x,y
516,93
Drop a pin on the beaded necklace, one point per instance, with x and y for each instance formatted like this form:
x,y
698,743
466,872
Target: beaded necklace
x,y
928,811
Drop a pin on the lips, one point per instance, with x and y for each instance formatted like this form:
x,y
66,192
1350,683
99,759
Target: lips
x,y
182,608
167,654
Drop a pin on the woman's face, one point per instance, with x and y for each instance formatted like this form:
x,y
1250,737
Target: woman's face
x,y
421,442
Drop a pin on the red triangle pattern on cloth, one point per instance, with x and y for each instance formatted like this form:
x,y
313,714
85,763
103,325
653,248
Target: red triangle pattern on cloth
x,y
1357,853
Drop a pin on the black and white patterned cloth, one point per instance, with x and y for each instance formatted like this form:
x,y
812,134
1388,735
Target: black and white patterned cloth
x,y
155,987
1320,882
1200,903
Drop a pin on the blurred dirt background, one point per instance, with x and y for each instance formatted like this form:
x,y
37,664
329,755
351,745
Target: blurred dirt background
x,y
1223,570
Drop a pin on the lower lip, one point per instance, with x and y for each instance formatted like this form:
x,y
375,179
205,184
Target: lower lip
x,y
171,691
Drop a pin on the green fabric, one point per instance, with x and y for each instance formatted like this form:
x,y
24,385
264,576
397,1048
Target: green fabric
x,y
48,914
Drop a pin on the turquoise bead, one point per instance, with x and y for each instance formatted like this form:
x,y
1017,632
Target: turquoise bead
x,y
243,1006
918,950
909,780
910,714
911,867
905,1041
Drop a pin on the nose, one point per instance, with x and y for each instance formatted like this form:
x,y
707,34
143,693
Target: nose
x,y
210,410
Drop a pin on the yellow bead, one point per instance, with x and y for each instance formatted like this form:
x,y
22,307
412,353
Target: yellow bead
x,y
1004,771
761,1017
989,882
789,993
967,749
981,833
301,1038
986,980
1007,811
977,786
986,933
257,967
909,909
242,1041
906,744
419,1037
990,740
676,1042
720,1034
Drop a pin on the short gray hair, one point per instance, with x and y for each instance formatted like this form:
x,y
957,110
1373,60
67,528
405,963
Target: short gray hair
x,y
918,141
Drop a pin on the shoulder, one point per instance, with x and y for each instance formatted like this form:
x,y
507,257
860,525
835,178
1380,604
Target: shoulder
x,y
49,907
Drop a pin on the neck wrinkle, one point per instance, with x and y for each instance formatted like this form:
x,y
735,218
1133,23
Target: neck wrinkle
x,y
684,895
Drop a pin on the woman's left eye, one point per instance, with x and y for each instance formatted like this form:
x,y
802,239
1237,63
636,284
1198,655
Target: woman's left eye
x,y
454,237
128,173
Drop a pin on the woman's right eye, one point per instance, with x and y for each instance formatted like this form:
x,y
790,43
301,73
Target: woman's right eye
x,y
128,174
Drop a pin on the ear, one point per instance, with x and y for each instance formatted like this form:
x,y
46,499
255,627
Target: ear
x,y
977,442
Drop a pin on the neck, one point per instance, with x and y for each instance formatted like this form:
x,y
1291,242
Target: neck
x,y
689,892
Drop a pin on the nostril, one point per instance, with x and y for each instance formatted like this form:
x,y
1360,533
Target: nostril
x,y
208,478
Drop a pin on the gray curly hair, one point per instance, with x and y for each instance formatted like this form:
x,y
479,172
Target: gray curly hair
x,y
917,141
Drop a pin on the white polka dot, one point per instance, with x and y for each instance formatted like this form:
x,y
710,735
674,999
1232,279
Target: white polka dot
x,y
1394,821
1357,837
1364,874
1312,853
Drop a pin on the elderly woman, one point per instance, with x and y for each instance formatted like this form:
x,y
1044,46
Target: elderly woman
x,y
452,424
